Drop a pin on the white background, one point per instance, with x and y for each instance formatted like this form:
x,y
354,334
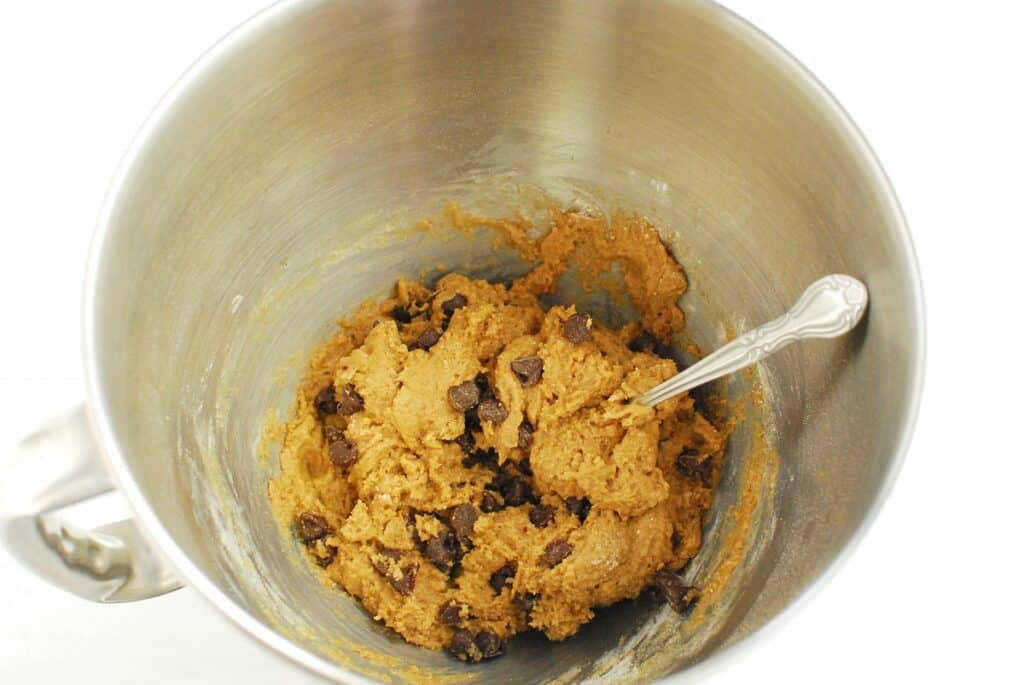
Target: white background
x,y
933,594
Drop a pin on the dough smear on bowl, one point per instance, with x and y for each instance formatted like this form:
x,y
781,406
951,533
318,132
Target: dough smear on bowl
x,y
466,463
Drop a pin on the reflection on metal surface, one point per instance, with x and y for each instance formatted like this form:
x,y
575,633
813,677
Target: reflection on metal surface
x,y
286,168
53,472
95,552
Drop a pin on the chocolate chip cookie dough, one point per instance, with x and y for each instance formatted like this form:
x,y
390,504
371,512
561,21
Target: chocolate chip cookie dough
x,y
467,464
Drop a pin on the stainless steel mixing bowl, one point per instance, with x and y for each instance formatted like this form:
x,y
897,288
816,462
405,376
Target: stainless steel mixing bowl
x,y
275,187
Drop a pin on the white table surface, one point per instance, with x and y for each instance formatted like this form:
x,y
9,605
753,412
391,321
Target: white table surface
x,y
932,594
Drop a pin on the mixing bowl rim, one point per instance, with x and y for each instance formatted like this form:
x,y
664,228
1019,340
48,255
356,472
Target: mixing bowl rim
x,y
100,413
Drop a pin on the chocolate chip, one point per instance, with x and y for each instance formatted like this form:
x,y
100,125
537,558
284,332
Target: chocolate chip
x,y
428,338
524,466
401,578
311,527
501,577
484,383
515,492
453,613
381,565
454,573
577,328
330,553
463,518
690,453
466,442
392,554
472,421
645,342
492,410
490,503
556,552
401,314
541,516
691,463
464,396
457,302
525,435
487,457
350,401
526,602
528,370
579,507
405,584
488,643
325,402
675,591
340,450
463,647
443,550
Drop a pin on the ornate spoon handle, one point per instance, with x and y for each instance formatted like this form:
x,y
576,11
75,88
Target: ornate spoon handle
x,y
830,307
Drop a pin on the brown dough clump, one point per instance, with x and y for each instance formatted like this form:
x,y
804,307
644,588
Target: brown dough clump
x,y
466,464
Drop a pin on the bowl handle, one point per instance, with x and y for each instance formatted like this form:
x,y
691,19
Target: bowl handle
x,y
54,477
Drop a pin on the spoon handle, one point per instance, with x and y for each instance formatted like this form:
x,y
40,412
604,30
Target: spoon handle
x,y
827,309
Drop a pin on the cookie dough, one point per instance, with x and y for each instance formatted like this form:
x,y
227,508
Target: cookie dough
x,y
467,464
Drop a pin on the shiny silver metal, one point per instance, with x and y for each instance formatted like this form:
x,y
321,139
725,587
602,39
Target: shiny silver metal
x,y
54,468
273,189
830,307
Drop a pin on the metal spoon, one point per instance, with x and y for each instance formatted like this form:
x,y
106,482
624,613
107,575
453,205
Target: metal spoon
x,y
829,308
